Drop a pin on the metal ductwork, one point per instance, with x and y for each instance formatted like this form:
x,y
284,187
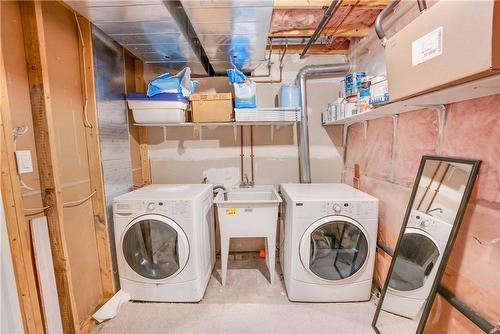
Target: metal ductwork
x,y
231,30
304,74
422,7
156,32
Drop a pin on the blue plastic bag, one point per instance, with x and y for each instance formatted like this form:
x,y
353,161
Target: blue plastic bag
x,y
238,51
235,76
180,83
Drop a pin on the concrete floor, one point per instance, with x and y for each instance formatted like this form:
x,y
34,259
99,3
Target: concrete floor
x,y
247,304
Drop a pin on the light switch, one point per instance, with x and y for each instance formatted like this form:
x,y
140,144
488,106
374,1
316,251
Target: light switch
x,y
24,162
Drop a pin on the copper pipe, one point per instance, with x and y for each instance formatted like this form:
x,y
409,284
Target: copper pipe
x,y
428,186
241,153
282,56
251,153
438,188
269,62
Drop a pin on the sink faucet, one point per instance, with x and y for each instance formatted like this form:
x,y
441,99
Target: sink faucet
x,y
246,182
220,187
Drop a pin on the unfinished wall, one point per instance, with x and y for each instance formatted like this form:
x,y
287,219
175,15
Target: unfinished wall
x,y
388,169
178,156
67,106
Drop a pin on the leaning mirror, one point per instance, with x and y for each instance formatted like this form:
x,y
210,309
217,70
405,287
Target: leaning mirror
x,y
437,204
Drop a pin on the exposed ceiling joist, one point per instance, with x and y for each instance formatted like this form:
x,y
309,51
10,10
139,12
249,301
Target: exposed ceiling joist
x,y
317,4
315,49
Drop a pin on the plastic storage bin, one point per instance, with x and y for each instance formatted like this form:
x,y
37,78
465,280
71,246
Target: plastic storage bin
x,y
161,108
289,96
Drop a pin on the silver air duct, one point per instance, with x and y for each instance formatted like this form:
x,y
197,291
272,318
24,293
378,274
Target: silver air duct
x,y
304,74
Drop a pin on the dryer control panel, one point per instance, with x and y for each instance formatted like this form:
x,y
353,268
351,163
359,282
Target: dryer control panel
x,y
353,209
439,229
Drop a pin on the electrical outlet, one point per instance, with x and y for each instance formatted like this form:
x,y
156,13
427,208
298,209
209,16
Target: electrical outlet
x,y
24,162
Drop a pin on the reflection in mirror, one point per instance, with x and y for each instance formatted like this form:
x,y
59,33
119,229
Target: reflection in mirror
x,y
434,213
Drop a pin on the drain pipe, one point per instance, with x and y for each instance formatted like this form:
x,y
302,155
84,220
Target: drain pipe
x,y
304,74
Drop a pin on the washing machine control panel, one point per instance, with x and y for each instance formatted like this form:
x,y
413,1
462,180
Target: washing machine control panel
x,y
168,208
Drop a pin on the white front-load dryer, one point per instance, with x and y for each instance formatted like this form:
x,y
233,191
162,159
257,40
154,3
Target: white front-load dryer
x,y
328,242
419,255
165,242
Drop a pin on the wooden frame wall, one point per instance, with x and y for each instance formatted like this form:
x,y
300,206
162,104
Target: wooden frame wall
x,y
48,166
143,131
94,155
29,302
134,82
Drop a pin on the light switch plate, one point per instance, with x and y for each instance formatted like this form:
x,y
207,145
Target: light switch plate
x,y
24,162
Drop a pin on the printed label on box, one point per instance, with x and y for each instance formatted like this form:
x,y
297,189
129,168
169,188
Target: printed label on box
x,y
427,47
231,211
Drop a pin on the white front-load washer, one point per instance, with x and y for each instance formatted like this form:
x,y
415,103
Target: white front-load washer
x,y
419,255
328,242
165,241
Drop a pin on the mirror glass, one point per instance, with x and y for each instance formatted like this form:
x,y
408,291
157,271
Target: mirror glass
x,y
433,215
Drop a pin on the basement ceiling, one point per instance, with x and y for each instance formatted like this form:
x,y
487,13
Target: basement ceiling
x,y
229,30
208,35
294,19
147,29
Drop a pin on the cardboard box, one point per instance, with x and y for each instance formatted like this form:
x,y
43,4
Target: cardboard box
x,y
217,107
450,43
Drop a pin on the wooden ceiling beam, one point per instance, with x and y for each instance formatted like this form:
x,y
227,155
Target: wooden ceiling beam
x,y
315,4
345,31
315,49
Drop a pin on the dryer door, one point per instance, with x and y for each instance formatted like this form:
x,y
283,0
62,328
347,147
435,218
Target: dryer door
x,y
334,248
418,256
155,247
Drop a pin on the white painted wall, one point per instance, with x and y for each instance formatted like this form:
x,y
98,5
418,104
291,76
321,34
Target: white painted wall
x,y
10,313
178,156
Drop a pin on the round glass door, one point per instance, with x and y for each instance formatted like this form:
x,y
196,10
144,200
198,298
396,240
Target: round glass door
x,y
417,256
334,248
155,247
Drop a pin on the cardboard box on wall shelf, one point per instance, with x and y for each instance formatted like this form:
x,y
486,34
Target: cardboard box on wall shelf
x,y
216,107
450,43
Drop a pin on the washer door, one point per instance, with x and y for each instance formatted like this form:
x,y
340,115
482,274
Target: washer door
x,y
155,247
334,248
417,256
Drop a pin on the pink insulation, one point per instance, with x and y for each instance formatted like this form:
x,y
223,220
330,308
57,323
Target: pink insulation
x,y
285,20
444,319
472,130
417,135
378,148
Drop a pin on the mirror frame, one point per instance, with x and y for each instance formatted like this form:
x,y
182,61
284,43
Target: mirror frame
x,y
451,239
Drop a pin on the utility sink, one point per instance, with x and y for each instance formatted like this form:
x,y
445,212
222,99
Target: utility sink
x,y
248,212
257,194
